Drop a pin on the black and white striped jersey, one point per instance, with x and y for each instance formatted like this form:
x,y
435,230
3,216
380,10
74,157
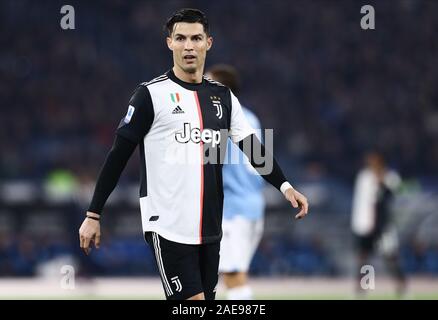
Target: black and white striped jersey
x,y
370,199
177,124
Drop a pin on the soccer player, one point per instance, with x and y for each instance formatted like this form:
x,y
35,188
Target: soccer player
x,y
178,120
244,205
371,217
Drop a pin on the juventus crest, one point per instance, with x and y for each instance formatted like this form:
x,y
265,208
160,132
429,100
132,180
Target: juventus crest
x,y
177,282
216,101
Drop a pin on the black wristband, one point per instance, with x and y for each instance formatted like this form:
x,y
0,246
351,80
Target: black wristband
x,y
94,218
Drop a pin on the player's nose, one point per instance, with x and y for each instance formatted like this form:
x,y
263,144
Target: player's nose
x,y
188,45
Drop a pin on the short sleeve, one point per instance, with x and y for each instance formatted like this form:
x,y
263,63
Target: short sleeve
x,y
239,126
393,180
139,116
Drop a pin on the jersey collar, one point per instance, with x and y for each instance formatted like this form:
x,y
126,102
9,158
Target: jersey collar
x,y
187,85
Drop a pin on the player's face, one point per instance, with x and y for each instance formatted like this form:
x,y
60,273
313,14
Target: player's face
x,y
189,44
374,161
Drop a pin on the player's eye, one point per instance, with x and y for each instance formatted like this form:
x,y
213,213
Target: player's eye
x,y
179,38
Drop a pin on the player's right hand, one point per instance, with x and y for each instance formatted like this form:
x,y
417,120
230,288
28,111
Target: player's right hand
x,y
89,232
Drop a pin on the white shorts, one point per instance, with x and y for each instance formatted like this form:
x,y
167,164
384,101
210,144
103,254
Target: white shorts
x,y
239,242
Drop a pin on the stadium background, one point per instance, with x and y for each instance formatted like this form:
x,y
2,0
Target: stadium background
x,y
328,88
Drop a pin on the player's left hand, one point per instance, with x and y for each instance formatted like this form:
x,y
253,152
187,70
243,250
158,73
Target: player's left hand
x,y
297,200
89,233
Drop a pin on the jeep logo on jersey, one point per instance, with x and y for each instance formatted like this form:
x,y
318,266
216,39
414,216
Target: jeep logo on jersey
x,y
217,103
196,135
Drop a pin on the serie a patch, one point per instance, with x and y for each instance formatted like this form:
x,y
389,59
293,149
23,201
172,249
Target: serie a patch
x,y
129,114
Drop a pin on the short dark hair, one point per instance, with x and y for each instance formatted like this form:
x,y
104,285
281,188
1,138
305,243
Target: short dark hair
x,y
227,75
187,15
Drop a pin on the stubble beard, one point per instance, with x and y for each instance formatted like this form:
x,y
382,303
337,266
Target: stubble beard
x,y
190,69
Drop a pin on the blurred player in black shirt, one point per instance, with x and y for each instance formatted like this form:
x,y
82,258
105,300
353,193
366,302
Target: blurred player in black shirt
x,y
371,219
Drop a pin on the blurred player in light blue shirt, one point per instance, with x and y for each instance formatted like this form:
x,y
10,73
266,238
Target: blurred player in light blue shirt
x,y
241,181
244,205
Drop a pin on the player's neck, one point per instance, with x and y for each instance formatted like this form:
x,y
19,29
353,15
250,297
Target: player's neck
x,y
188,77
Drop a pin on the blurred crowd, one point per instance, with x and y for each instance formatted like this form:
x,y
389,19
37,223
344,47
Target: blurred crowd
x,y
328,88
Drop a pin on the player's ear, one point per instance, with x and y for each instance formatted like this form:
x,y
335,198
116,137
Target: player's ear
x,y
209,42
169,43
